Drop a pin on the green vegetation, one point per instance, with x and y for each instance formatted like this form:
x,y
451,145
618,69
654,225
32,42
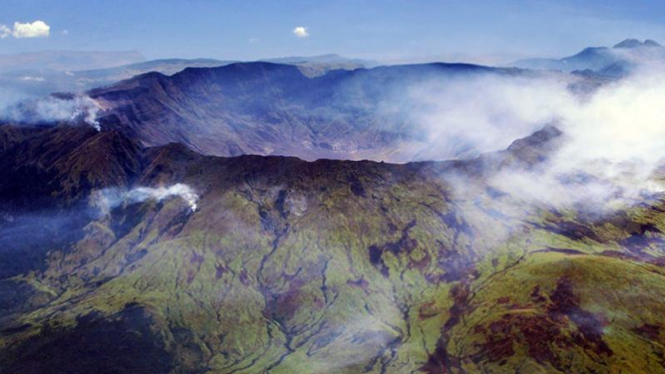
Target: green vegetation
x,y
347,267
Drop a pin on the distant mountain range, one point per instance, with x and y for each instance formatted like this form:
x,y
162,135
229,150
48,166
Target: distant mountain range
x,y
67,60
42,73
318,65
617,61
49,80
62,71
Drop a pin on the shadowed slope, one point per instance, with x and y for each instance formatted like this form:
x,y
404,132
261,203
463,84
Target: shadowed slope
x,y
272,109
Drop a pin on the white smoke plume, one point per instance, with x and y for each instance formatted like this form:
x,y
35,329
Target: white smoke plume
x,y
109,198
71,108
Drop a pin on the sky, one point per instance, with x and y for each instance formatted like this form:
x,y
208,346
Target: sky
x,y
387,30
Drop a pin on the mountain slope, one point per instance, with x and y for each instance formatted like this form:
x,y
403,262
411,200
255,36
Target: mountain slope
x,y
273,109
327,266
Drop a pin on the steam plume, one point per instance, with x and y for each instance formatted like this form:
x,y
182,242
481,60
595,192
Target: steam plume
x,y
110,198
55,108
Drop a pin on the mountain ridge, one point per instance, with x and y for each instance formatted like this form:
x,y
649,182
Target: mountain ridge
x,y
132,246
265,108
325,266
45,79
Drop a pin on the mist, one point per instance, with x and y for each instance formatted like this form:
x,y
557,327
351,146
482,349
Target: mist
x,y
26,238
463,118
610,150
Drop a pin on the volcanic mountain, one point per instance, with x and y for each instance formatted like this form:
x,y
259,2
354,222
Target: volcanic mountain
x,y
273,109
288,266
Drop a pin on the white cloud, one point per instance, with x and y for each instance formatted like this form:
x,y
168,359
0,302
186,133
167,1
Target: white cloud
x,y
254,40
300,32
4,31
65,32
37,29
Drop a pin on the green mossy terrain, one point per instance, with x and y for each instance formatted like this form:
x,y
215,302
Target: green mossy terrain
x,y
325,267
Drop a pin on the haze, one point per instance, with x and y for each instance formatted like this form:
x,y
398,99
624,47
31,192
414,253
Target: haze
x,y
481,31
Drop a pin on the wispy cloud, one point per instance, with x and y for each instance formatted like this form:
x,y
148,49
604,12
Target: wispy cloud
x,y
301,32
36,29
5,31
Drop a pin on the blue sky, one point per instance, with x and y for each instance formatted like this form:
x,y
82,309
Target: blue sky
x,y
393,30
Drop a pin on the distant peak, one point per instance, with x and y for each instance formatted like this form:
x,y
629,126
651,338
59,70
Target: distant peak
x,y
634,43
629,43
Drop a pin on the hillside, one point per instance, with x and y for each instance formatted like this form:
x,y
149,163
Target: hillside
x,y
273,109
330,266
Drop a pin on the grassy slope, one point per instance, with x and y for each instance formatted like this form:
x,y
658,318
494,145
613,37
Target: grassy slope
x,y
327,267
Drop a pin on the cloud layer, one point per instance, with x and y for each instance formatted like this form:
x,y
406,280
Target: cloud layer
x,y
36,29
613,138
